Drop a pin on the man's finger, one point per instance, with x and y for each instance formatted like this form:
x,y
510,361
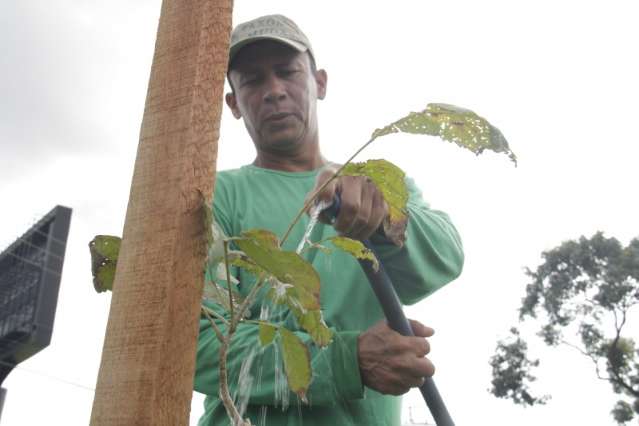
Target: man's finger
x,y
415,382
350,194
421,346
362,226
425,367
420,329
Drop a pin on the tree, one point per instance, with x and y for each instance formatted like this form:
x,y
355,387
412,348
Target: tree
x,y
585,288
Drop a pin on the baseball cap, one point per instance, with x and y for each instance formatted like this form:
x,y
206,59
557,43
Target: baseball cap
x,y
269,27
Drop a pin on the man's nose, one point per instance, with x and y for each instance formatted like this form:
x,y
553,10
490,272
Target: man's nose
x,y
275,90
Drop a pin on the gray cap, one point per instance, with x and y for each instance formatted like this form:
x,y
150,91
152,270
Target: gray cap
x,y
269,27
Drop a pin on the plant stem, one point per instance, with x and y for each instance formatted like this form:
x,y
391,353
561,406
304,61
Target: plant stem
x,y
217,330
211,312
313,196
256,322
248,300
225,395
228,275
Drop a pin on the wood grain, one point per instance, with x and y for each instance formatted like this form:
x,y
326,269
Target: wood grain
x,y
148,359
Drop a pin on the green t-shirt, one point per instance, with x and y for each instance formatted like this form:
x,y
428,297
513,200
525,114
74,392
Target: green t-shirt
x,y
252,197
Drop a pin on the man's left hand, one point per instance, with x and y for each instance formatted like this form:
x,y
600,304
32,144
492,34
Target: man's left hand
x,y
362,207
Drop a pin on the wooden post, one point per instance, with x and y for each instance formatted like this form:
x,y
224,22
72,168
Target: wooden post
x,y
148,359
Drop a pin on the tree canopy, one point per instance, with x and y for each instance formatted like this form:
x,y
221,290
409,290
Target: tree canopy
x,y
584,288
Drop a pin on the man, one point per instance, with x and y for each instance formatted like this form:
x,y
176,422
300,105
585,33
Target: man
x,y
275,88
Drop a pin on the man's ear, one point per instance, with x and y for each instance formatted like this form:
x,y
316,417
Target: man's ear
x,y
321,78
232,103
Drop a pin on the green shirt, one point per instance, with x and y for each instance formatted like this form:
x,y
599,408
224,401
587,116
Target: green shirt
x,y
252,197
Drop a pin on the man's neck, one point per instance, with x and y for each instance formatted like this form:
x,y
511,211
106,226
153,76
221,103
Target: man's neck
x,y
299,162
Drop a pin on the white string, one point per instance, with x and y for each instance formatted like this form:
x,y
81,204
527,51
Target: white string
x,y
48,376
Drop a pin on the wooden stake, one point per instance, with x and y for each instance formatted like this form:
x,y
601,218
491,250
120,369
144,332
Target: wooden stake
x,y
148,359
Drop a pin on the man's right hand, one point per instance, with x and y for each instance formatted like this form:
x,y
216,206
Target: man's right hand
x,y
391,363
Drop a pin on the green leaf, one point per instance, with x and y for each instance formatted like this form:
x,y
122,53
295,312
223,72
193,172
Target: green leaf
x,y
279,292
355,248
104,277
313,323
310,320
247,264
262,247
454,124
267,332
389,179
297,363
104,257
263,237
107,246
415,122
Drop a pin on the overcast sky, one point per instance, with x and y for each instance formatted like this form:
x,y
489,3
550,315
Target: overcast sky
x,y
558,78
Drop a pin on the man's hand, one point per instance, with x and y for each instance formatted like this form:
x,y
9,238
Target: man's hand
x,y
391,363
362,208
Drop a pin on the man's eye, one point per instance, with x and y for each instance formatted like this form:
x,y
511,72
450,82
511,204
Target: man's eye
x,y
249,81
287,72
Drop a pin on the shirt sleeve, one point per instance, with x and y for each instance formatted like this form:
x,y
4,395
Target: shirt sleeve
x,y
431,257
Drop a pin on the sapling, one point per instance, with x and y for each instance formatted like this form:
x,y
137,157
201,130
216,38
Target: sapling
x,y
286,277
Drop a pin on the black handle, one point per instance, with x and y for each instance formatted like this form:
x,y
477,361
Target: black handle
x,y
392,307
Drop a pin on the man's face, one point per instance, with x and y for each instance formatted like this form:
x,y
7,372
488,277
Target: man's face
x,y
275,91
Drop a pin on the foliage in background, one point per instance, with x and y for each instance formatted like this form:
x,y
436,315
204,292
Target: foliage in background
x,y
511,371
584,288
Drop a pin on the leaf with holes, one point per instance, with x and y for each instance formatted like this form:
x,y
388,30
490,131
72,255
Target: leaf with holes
x,y
267,332
104,258
262,247
355,248
297,363
389,179
454,124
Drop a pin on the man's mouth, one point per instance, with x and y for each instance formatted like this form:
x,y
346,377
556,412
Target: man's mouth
x,y
278,116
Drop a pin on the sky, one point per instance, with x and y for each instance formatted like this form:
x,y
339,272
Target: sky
x,y
558,78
